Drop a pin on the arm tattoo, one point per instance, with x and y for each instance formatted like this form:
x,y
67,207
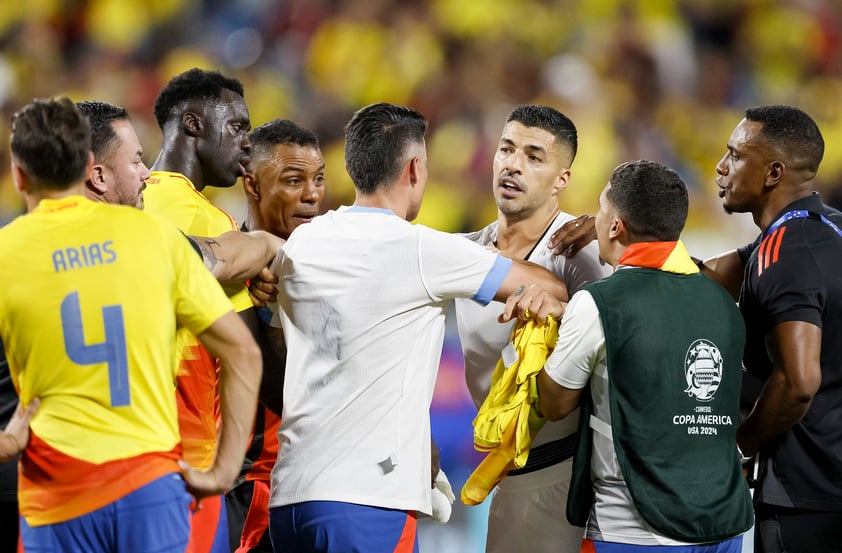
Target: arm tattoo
x,y
206,245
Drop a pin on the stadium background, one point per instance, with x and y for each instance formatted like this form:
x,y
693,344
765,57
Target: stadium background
x,y
659,79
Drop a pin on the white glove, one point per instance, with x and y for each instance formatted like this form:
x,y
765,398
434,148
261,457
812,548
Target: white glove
x,y
443,498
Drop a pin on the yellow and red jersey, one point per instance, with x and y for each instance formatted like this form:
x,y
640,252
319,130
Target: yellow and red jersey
x,y
173,197
91,300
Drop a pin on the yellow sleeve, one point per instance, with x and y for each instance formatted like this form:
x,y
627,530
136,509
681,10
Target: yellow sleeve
x,y
198,297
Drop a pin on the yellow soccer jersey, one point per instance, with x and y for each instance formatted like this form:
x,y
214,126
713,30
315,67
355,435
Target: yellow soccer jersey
x,y
92,295
173,197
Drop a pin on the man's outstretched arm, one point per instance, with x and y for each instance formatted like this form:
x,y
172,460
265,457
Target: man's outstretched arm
x,y
238,255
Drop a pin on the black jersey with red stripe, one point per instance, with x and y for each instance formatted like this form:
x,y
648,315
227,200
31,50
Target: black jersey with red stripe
x,y
795,274
789,272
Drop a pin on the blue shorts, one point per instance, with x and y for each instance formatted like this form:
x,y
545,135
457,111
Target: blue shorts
x,y
732,545
334,526
152,519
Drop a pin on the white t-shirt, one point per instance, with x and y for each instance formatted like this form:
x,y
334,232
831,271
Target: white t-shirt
x,y
579,356
363,296
483,338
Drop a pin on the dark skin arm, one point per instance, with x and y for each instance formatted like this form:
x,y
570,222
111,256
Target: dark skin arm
x,y
263,288
727,270
794,348
573,236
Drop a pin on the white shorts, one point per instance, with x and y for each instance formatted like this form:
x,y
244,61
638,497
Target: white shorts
x,y
528,513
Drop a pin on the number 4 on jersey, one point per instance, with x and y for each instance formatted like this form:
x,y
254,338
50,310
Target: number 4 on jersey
x,y
112,351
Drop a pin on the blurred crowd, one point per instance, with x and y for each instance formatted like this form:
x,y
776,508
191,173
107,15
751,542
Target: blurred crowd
x,y
664,80
657,79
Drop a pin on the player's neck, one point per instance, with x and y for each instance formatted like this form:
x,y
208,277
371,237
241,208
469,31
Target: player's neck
x,y
32,199
777,202
180,160
518,237
384,198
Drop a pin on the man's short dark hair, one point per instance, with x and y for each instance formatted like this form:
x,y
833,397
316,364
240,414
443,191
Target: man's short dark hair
x,y
791,131
280,131
552,121
651,199
51,140
376,140
193,84
101,115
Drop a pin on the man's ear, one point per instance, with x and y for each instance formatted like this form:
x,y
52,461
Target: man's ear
x,y
413,168
617,231
775,173
250,186
408,176
96,180
192,123
19,177
562,181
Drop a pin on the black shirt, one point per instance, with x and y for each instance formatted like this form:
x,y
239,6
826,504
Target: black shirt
x,y
795,274
8,404
195,245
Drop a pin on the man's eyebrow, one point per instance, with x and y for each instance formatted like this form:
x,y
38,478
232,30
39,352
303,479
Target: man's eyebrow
x,y
535,148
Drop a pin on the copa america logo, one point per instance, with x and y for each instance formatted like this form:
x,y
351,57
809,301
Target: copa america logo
x,y
703,371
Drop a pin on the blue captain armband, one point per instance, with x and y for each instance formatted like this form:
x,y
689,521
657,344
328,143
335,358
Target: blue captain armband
x,y
493,280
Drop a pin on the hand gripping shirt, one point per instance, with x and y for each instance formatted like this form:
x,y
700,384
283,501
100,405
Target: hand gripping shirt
x,y
89,328
173,197
483,338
